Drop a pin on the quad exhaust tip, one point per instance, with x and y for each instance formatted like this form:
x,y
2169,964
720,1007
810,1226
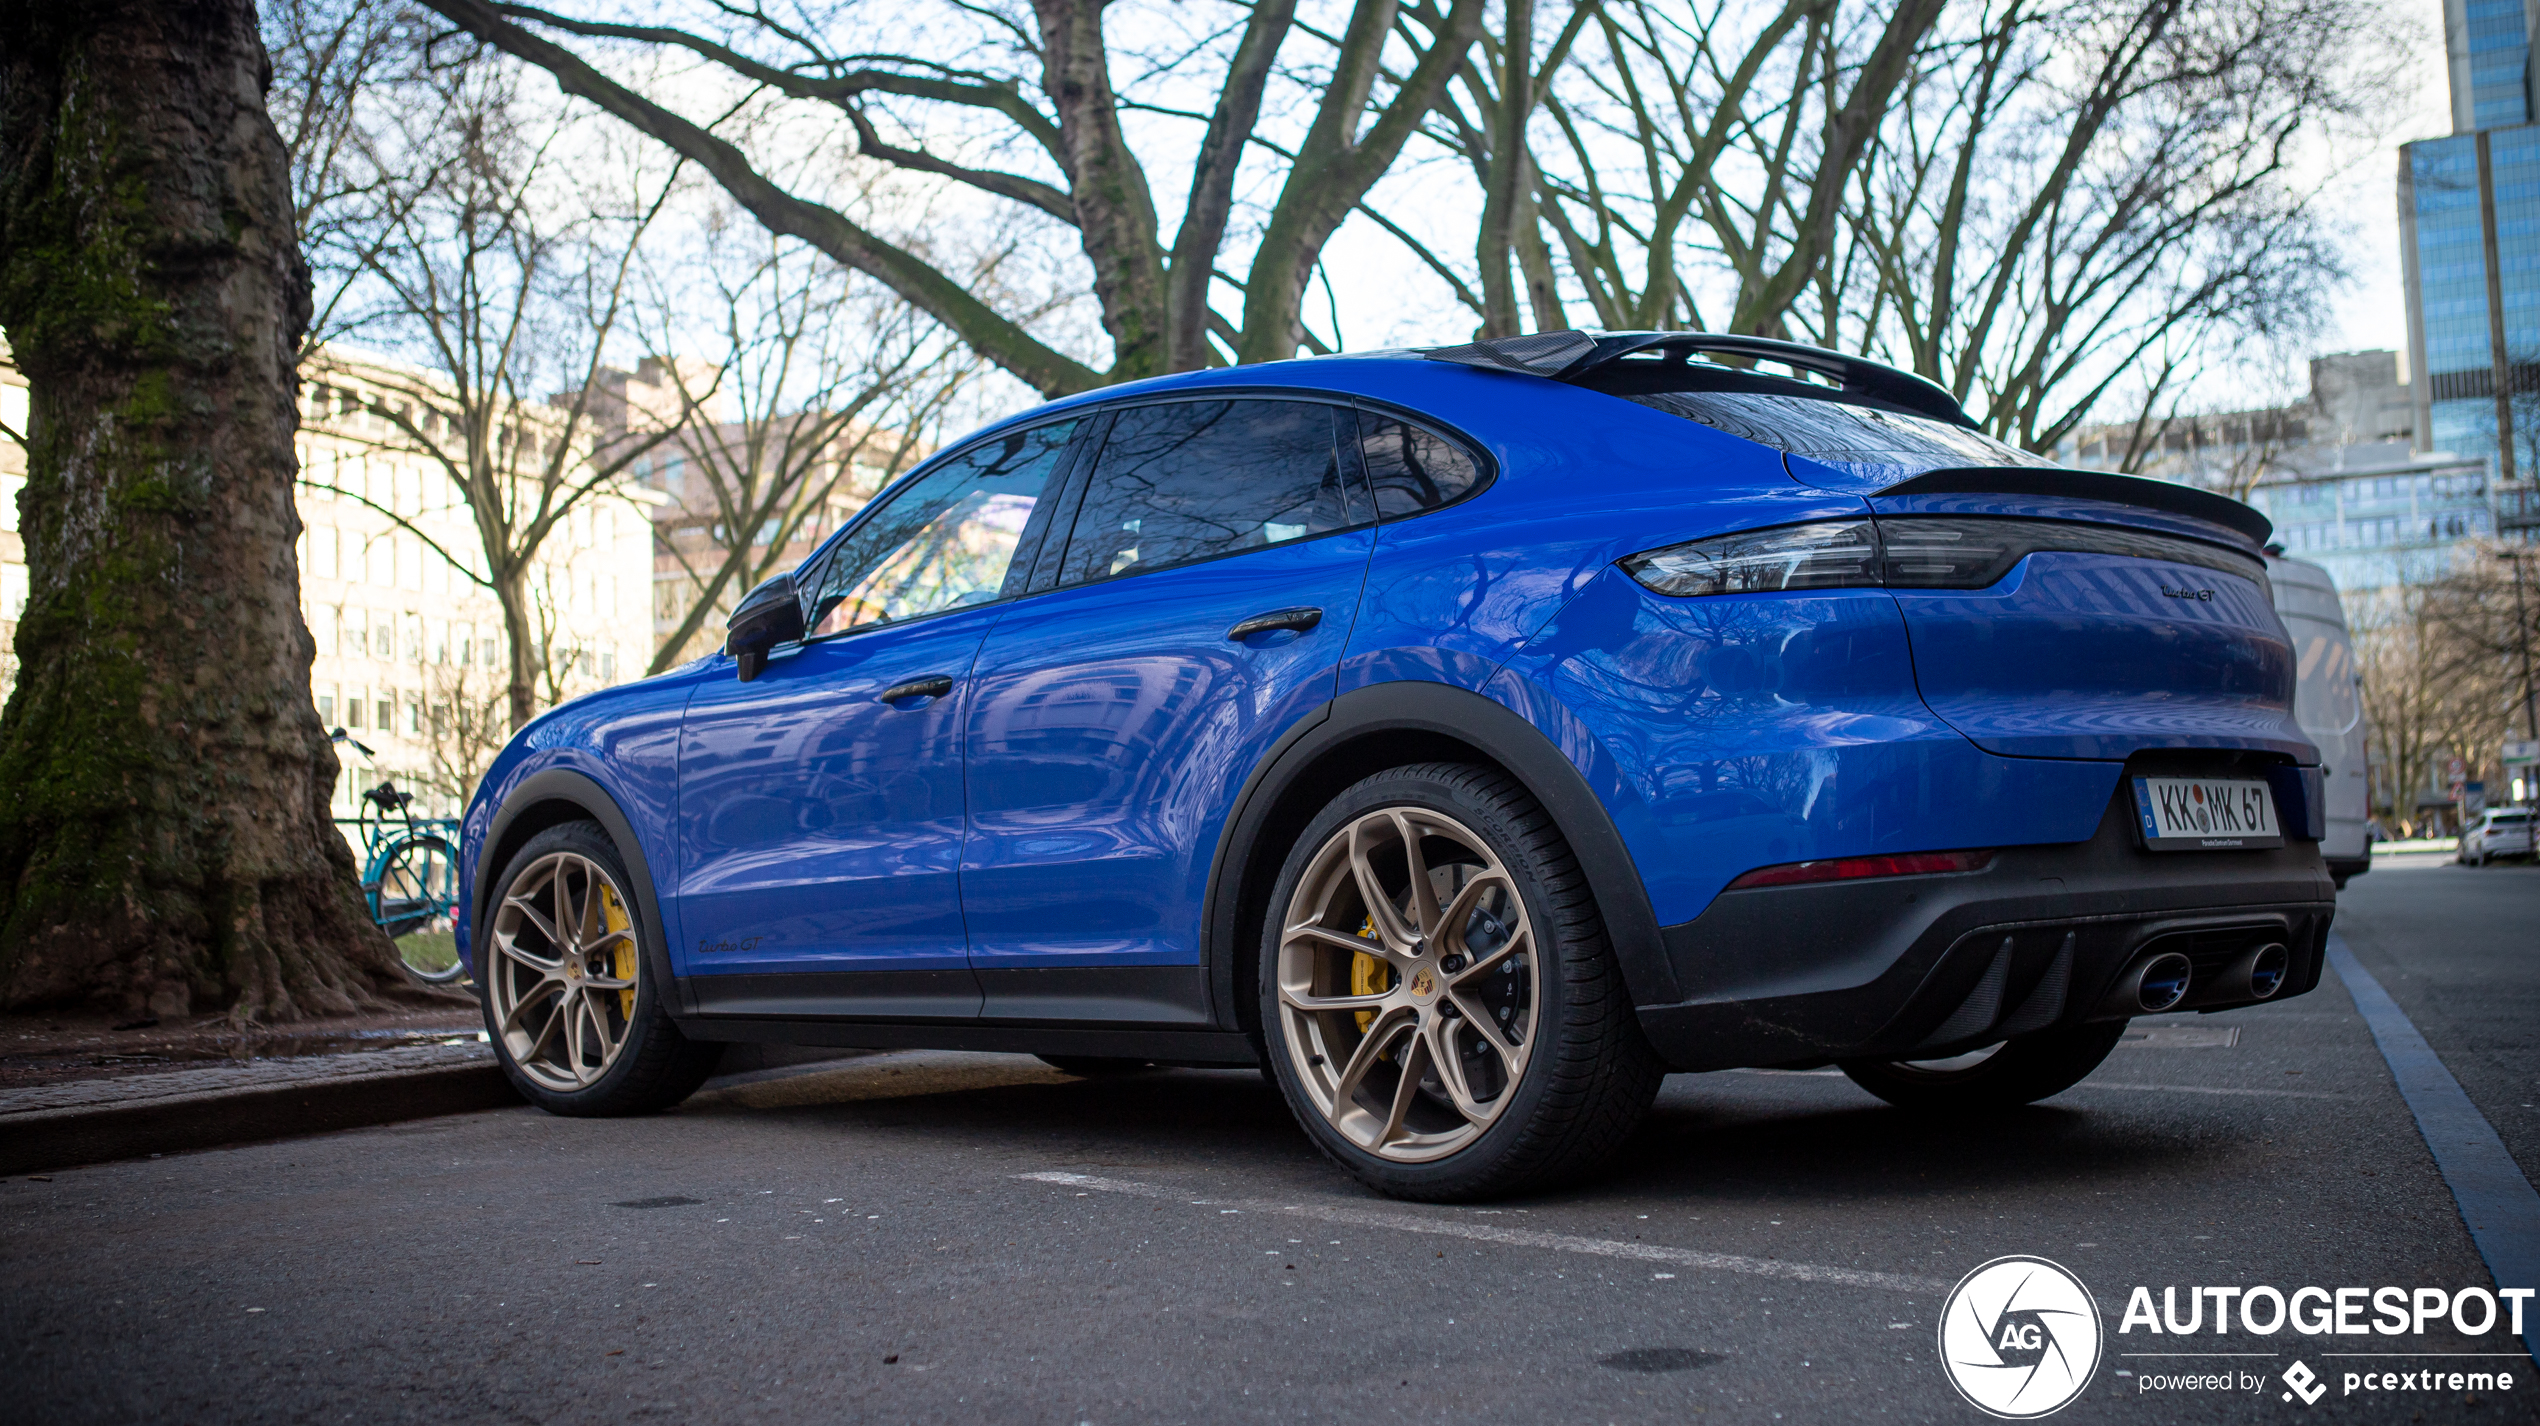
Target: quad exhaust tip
x,y
2265,970
2162,982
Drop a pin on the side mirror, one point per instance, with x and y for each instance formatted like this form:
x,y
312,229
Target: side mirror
x,y
767,616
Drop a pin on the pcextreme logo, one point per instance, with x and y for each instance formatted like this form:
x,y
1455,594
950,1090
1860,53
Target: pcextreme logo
x,y
2020,1338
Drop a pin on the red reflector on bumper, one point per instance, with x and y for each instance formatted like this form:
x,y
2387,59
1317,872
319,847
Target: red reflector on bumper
x,y
1857,868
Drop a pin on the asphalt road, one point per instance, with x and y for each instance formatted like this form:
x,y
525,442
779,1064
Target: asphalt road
x,y
959,1238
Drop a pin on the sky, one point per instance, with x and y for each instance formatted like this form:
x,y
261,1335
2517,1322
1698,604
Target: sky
x,y
1376,293
2372,313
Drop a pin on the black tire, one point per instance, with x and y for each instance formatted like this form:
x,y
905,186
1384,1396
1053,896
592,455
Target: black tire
x,y
1589,1076
655,1066
1095,1066
2022,1071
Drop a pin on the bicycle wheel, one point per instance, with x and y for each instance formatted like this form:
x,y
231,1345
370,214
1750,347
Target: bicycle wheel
x,y
412,898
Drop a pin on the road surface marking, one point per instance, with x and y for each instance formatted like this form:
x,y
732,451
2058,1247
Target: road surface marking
x,y
2211,1089
1513,1237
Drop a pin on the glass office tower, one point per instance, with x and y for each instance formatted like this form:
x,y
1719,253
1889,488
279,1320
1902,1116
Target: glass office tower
x,y
2469,215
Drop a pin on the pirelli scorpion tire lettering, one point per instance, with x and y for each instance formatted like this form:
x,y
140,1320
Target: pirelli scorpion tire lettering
x,y
577,1024
1438,1000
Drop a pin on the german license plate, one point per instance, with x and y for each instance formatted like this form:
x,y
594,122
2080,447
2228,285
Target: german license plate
x,y
2206,814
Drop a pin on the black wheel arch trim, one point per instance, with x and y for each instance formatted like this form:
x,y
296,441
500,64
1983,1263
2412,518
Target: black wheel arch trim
x,y
1392,723
563,787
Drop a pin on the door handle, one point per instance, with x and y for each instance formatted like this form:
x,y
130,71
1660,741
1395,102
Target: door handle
x,y
934,685
1298,619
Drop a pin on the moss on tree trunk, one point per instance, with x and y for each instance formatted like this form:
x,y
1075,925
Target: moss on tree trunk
x,y
164,834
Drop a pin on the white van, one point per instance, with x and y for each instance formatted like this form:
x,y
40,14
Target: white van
x,y
2328,703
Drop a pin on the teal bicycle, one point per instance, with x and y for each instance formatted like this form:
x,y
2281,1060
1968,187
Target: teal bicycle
x,y
410,876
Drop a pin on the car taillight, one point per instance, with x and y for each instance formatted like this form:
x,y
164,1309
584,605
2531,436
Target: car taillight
x,y
1835,554
1904,552
1858,868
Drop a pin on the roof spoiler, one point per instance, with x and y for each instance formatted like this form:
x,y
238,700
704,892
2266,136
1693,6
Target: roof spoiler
x,y
1576,357
2089,485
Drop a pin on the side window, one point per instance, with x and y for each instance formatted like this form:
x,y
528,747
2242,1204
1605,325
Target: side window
x,y
1411,469
1192,479
945,541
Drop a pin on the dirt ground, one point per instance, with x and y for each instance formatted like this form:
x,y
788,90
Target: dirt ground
x,y
49,1049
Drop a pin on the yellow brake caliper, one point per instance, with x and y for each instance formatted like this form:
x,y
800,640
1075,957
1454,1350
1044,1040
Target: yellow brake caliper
x,y
621,960
1368,975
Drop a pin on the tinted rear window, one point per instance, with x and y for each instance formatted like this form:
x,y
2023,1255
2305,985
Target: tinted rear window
x,y
1838,432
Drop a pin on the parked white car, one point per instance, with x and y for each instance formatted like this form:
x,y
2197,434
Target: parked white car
x,y
2503,832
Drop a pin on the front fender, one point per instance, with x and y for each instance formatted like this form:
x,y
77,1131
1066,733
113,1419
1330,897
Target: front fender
x,y
533,803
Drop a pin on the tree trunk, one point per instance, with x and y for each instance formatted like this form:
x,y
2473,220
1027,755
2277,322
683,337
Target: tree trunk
x,y
522,655
164,836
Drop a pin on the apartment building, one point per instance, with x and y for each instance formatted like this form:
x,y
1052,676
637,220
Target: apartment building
x,y
410,645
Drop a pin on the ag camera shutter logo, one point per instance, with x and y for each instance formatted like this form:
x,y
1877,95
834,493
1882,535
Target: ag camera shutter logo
x,y
2020,1338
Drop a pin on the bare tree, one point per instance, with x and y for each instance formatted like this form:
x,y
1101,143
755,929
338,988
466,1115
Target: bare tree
x,y
467,722
2440,679
1041,96
2082,196
1686,143
826,386
329,57
2487,609
508,283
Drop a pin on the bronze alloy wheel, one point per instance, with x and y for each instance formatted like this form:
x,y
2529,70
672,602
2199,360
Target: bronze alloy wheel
x,y
562,979
1408,981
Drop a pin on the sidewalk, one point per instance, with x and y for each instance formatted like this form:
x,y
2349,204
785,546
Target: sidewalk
x,y
92,1120
89,1120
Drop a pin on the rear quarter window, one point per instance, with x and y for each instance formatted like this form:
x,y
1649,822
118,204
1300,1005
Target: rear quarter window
x,y
1411,468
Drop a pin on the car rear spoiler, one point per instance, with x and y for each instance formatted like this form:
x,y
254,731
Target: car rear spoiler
x,y
2088,485
1579,359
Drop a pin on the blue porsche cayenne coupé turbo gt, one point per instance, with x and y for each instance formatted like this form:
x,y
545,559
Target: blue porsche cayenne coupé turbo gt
x,y
1468,737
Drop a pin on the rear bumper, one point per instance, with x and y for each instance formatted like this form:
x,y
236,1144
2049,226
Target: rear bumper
x,y
1808,974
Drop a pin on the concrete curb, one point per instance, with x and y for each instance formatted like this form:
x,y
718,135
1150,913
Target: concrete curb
x,y
93,1133
93,1121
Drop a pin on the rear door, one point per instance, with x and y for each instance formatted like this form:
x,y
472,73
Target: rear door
x,y
1196,612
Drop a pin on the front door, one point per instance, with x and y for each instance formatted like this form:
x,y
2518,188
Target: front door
x,y
1204,596
820,805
